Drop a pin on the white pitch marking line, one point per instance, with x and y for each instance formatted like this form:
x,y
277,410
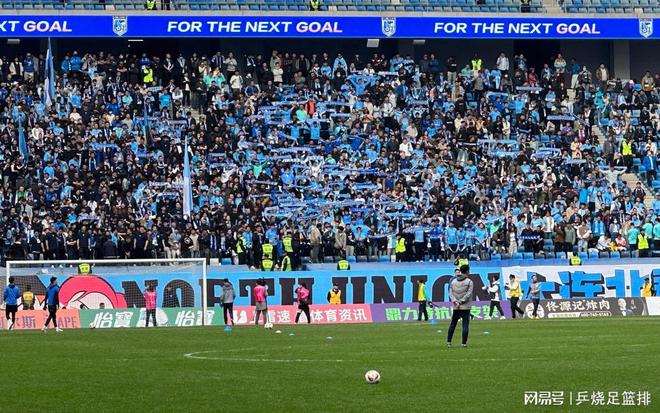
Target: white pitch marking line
x,y
198,356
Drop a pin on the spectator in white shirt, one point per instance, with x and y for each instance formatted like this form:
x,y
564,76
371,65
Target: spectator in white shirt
x,y
503,63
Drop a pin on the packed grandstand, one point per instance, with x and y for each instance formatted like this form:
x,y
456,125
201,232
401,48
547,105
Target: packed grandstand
x,y
334,156
429,6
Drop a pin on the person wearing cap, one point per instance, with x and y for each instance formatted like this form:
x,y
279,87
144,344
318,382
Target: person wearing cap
x,y
286,264
460,294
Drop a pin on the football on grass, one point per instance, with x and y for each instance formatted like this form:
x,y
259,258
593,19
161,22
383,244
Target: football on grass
x,y
372,377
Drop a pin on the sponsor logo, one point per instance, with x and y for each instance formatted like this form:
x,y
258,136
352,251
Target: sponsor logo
x,y
646,27
119,25
388,25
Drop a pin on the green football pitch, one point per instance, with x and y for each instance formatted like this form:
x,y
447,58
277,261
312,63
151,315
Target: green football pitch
x,y
321,368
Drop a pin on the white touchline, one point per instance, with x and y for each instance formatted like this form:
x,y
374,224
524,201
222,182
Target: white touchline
x,y
199,355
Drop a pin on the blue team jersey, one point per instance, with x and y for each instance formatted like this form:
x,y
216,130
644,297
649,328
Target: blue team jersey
x,y
11,295
53,295
451,235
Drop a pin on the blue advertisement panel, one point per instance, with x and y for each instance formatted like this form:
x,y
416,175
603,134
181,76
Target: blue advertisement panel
x,y
327,27
181,287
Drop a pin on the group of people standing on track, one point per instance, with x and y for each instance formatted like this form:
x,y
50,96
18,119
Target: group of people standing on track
x,y
12,294
515,295
461,289
303,300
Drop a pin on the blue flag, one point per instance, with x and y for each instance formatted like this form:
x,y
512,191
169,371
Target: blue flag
x,y
187,186
22,143
146,121
49,78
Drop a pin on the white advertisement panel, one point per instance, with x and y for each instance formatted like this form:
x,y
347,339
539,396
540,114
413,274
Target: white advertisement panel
x,y
587,281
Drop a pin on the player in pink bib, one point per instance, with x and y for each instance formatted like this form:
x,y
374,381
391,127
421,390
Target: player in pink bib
x,y
150,304
302,294
260,293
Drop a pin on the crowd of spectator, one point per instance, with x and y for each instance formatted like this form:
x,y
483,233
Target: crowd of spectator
x,y
323,156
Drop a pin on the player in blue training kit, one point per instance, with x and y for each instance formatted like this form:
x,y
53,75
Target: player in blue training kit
x,y
52,303
10,296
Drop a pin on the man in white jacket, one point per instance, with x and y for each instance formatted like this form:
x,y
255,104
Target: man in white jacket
x,y
494,291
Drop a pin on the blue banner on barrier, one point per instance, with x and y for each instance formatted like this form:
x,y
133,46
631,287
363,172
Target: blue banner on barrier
x,y
327,26
182,287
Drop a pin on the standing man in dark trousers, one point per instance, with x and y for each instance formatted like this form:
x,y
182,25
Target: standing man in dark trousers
x,y
52,302
150,305
302,294
228,295
534,291
423,299
494,291
11,296
460,294
515,293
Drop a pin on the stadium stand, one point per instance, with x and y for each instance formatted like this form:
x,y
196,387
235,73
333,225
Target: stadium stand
x,y
611,6
446,6
327,156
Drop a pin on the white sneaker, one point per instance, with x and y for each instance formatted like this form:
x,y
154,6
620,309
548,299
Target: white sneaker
x,y
44,329
502,318
8,326
58,330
